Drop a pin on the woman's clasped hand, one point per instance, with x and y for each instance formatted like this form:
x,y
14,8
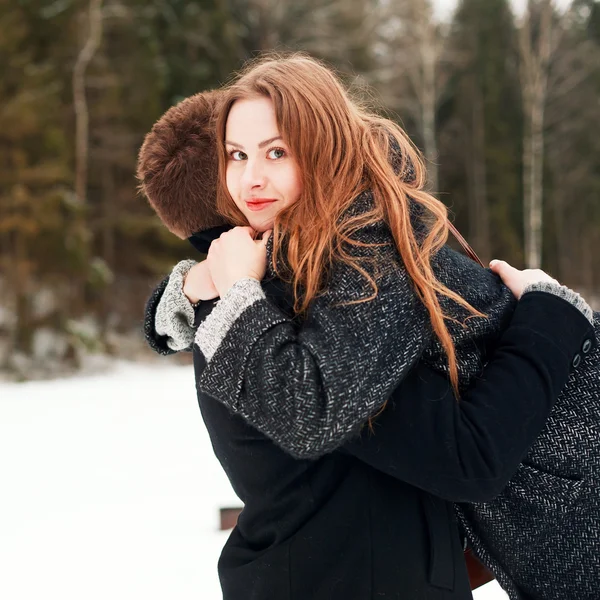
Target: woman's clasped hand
x,y
236,255
233,256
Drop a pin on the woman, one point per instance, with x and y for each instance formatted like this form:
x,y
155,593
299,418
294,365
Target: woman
x,y
228,274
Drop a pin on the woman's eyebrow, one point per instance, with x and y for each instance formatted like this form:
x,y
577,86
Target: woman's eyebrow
x,y
270,141
261,145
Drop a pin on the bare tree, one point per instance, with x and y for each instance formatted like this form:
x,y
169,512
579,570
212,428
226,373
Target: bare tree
x,y
535,49
423,77
479,213
412,48
80,103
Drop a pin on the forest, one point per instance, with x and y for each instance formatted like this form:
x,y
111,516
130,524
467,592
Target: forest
x,y
504,105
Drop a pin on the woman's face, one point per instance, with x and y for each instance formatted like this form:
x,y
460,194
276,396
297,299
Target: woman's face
x,y
262,175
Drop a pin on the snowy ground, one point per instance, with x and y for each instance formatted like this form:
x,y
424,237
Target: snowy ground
x,y
109,489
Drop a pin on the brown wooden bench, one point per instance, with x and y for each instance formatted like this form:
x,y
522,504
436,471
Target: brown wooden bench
x,y
478,574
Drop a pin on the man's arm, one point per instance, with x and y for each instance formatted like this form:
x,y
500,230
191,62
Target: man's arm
x,y
467,450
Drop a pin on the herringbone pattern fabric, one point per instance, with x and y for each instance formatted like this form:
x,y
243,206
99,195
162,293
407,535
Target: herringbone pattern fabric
x,y
541,535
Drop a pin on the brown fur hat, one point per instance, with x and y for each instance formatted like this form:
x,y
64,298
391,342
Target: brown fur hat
x,y
177,165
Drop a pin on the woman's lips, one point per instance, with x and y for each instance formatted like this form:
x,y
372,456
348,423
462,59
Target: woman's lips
x,y
258,204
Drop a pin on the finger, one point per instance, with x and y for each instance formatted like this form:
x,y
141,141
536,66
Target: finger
x,y
247,229
265,237
501,266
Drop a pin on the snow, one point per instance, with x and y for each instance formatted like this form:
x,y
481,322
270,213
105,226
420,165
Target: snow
x,y
109,489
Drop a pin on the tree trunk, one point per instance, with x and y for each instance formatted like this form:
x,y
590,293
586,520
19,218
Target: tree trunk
x,y
22,338
563,259
479,218
428,105
534,63
533,173
108,249
81,229
80,102
414,52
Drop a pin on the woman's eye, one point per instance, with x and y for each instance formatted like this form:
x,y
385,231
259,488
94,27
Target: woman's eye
x,y
276,153
237,155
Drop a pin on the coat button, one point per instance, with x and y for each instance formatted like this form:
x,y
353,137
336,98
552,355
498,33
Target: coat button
x,y
587,346
577,360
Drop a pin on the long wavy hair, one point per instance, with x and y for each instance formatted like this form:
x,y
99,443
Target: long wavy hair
x,y
342,150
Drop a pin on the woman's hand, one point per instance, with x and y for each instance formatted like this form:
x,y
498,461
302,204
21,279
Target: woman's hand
x,y
235,255
198,284
517,280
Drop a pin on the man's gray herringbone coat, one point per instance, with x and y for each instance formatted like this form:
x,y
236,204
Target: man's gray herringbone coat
x,y
541,535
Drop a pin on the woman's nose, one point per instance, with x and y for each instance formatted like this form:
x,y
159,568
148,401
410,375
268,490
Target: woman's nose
x,y
254,176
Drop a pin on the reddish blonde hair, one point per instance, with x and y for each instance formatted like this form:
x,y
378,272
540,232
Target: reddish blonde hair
x,y
342,150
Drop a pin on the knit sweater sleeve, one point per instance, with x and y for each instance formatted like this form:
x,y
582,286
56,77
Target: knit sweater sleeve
x,y
565,293
171,321
174,320
310,385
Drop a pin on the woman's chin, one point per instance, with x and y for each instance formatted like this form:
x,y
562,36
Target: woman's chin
x,y
261,226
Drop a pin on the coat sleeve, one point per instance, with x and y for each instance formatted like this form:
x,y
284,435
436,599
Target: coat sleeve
x,y
309,386
467,450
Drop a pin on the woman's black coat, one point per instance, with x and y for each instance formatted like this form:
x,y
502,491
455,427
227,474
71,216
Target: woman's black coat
x,y
374,519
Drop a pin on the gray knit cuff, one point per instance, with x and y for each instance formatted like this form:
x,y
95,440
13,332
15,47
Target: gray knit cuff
x,y
565,293
243,294
174,313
